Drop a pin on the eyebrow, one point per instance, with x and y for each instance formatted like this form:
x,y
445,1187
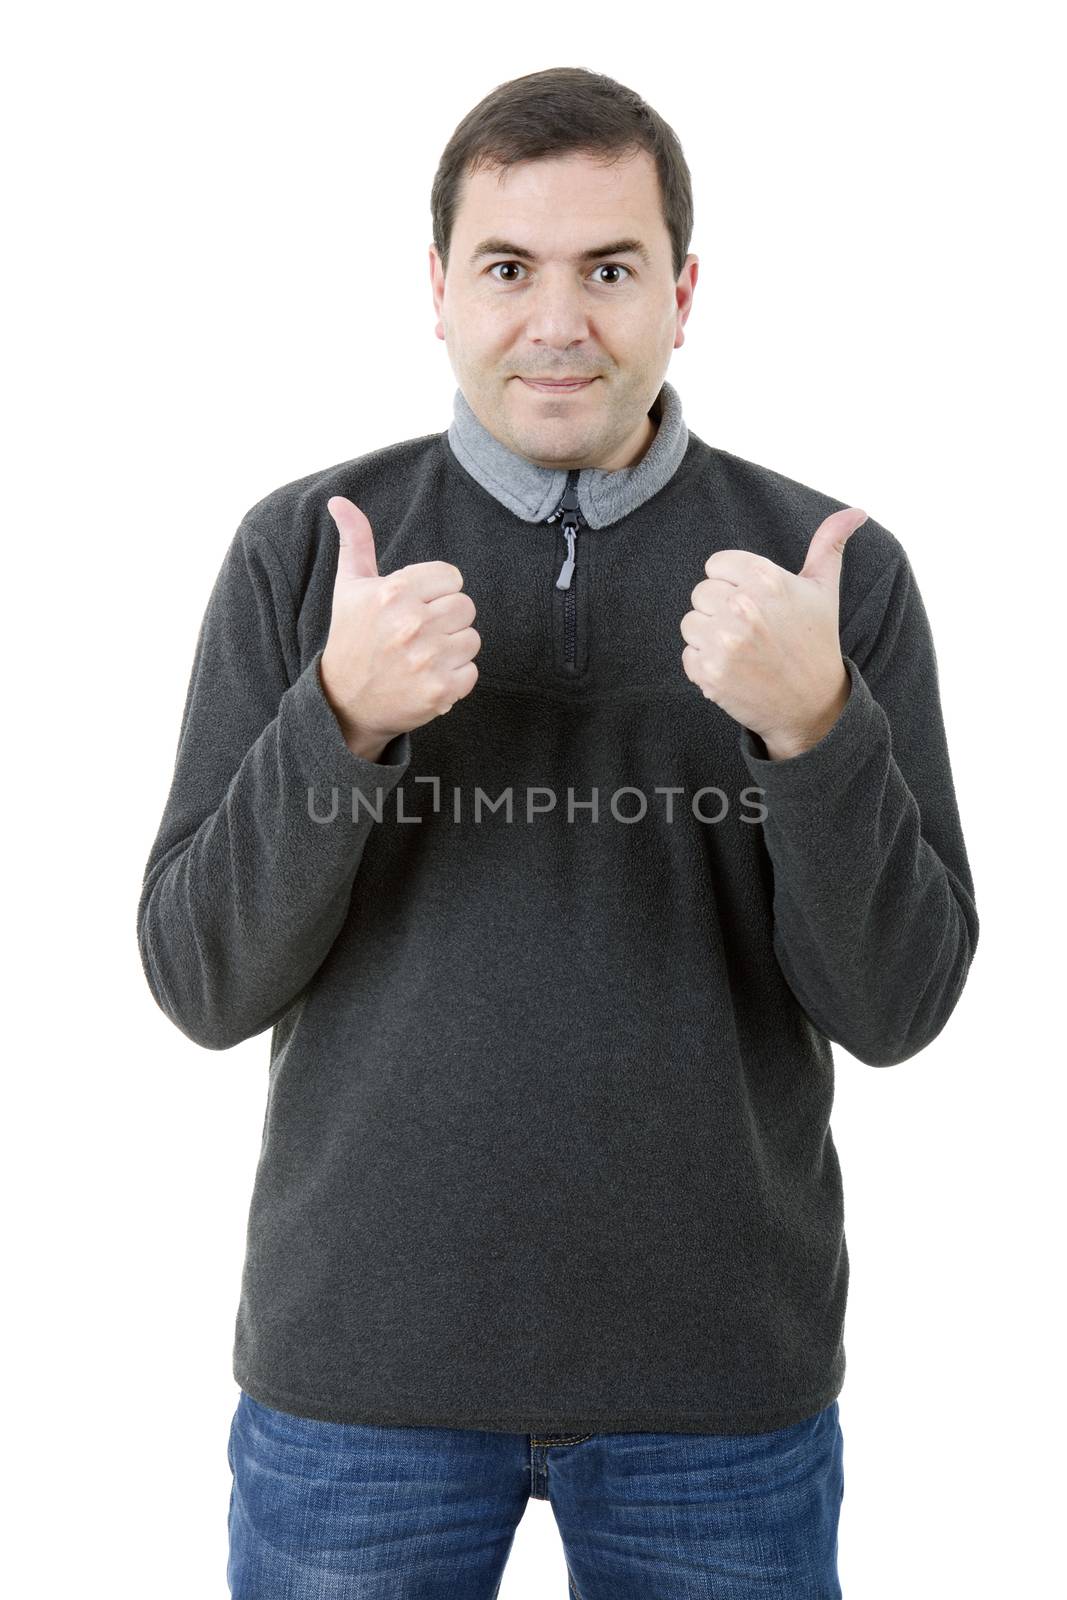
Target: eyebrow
x,y
621,247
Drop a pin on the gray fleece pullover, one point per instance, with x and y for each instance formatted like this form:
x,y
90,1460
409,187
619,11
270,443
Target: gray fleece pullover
x,y
552,986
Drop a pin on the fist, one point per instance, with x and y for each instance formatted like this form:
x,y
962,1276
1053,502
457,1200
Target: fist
x,y
763,642
400,648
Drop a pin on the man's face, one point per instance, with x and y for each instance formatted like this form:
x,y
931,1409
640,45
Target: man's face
x,y
537,309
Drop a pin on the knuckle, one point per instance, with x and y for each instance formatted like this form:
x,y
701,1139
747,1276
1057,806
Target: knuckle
x,y
407,627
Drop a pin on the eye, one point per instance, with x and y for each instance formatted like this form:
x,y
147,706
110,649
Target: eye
x,y
601,266
612,266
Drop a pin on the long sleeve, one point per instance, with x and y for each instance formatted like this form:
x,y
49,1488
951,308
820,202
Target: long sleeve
x,y
244,891
875,923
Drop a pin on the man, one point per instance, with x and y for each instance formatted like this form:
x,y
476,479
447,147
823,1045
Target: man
x,y
554,921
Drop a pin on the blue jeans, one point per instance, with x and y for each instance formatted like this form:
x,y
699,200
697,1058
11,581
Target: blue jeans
x,y
337,1510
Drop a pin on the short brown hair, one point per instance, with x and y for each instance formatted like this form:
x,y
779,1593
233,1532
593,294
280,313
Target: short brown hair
x,y
561,111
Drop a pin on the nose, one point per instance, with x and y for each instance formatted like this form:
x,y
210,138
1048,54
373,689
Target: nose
x,y
556,311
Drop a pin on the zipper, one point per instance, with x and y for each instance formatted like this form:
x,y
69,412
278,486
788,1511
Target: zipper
x,y
572,520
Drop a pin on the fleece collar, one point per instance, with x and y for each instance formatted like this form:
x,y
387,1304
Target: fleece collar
x,y
533,491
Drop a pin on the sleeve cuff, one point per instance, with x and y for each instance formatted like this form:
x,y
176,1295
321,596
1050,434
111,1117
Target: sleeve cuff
x,y
319,733
841,749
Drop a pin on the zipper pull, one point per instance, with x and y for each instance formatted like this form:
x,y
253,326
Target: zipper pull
x,y
567,569
572,519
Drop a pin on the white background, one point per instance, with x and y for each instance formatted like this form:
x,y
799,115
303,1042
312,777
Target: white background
x,y
218,281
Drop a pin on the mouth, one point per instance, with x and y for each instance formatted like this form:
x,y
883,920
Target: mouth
x,y
565,387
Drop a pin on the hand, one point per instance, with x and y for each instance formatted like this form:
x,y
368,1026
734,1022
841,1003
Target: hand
x,y
400,647
763,642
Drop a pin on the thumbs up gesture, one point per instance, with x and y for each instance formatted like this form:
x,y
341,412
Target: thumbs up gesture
x,y
763,642
400,647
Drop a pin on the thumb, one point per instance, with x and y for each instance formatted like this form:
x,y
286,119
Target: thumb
x,y
825,552
356,557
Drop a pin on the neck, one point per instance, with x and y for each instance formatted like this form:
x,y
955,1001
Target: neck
x,y
605,494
